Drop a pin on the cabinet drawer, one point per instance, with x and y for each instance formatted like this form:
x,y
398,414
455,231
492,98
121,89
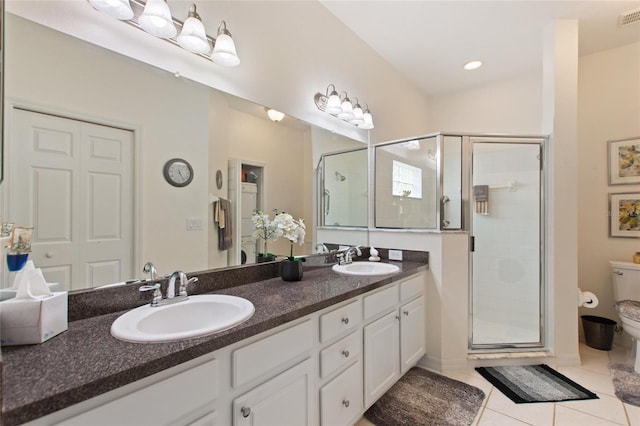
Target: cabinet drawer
x,y
411,287
341,398
271,354
381,301
189,390
340,354
340,320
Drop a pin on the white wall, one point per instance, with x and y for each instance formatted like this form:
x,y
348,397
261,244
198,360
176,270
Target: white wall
x,y
609,109
508,106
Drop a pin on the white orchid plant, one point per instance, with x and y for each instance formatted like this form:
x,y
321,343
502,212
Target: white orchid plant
x,y
282,225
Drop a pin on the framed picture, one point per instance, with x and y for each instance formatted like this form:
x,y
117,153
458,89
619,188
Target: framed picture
x,y
624,161
624,215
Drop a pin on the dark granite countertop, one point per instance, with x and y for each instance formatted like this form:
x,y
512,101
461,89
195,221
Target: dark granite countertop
x,y
86,361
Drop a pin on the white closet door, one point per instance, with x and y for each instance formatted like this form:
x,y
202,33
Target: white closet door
x,y
73,182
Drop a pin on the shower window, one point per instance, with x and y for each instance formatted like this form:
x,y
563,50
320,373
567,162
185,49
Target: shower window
x,y
407,180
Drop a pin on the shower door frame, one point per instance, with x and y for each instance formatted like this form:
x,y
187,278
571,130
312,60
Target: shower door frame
x,y
542,142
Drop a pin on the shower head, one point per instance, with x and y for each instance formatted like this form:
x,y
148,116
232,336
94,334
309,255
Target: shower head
x,y
340,177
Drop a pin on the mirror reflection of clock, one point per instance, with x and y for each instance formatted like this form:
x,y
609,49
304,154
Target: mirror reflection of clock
x,y
178,172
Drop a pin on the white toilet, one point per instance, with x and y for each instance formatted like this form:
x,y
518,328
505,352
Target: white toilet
x,y
626,293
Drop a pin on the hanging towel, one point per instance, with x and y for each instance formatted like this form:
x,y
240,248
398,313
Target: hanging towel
x,y
222,217
481,199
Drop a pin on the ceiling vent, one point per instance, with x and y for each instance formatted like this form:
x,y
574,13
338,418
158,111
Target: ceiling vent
x,y
630,17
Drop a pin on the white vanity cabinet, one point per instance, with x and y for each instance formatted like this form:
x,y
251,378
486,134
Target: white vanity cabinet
x,y
394,342
323,369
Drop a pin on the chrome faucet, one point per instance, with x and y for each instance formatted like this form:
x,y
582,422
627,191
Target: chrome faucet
x,y
321,248
171,297
348,254
149,268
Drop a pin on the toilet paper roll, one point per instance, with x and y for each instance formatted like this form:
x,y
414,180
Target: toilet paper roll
x,y
586,299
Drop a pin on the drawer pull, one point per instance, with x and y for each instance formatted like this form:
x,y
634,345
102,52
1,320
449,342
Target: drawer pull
x,y
345,353
246,411
406,313
345,320
345,402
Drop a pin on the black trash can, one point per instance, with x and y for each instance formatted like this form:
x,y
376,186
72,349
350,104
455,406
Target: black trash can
x,y
598,332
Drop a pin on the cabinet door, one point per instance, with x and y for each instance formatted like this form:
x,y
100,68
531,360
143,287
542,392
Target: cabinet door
x,y
381,356
283,400
412,346
341,398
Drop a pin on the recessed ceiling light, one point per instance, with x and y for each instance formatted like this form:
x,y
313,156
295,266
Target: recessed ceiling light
x,y
472,65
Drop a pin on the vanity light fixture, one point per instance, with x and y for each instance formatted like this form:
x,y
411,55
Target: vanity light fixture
x,y
155,18
274,115
340,106
473,65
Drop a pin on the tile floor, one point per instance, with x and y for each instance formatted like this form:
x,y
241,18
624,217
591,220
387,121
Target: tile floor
x,y
593,374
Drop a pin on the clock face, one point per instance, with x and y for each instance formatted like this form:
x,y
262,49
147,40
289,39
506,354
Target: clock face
x,y
178,172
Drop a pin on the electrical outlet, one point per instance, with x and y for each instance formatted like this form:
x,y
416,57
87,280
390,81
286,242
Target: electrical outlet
x,y
395,254
194,224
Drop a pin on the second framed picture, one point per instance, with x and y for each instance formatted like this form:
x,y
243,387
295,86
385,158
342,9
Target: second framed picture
x,y
624,215
624,161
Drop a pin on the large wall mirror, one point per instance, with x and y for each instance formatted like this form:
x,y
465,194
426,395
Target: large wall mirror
x,y
96,129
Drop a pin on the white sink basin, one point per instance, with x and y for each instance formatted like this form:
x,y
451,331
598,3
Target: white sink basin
x,y
195,317
366,268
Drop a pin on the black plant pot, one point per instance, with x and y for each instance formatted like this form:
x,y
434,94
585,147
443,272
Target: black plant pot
x,y
291,270
262,258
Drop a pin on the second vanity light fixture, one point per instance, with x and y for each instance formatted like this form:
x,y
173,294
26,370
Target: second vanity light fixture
x,y
339,105
155,18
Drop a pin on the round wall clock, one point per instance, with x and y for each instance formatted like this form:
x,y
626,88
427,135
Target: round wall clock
x,y
178,172
219,179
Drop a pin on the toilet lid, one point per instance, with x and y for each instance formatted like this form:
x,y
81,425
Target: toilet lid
x,y
629,309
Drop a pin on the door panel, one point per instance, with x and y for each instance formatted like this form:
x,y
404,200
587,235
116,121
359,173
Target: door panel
x,y
73,183
506,261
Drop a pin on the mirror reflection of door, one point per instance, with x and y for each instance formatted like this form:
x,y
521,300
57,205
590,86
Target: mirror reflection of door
x,y
72,181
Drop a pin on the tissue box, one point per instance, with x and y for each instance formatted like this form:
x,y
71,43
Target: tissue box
x,y
28,321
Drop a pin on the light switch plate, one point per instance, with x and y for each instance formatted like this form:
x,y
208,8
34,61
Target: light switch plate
x,y
194,224
395,254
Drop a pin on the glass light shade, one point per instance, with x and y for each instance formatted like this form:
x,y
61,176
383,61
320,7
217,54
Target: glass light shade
x,y
224,51
368,121
119,9
347,110
156,19
333,104
275,115
193,37
358,116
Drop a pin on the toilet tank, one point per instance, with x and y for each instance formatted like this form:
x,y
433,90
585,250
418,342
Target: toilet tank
x,y
626,280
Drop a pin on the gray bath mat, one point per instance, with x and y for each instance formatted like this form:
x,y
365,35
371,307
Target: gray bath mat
x,y
534,383
626,383
421,397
